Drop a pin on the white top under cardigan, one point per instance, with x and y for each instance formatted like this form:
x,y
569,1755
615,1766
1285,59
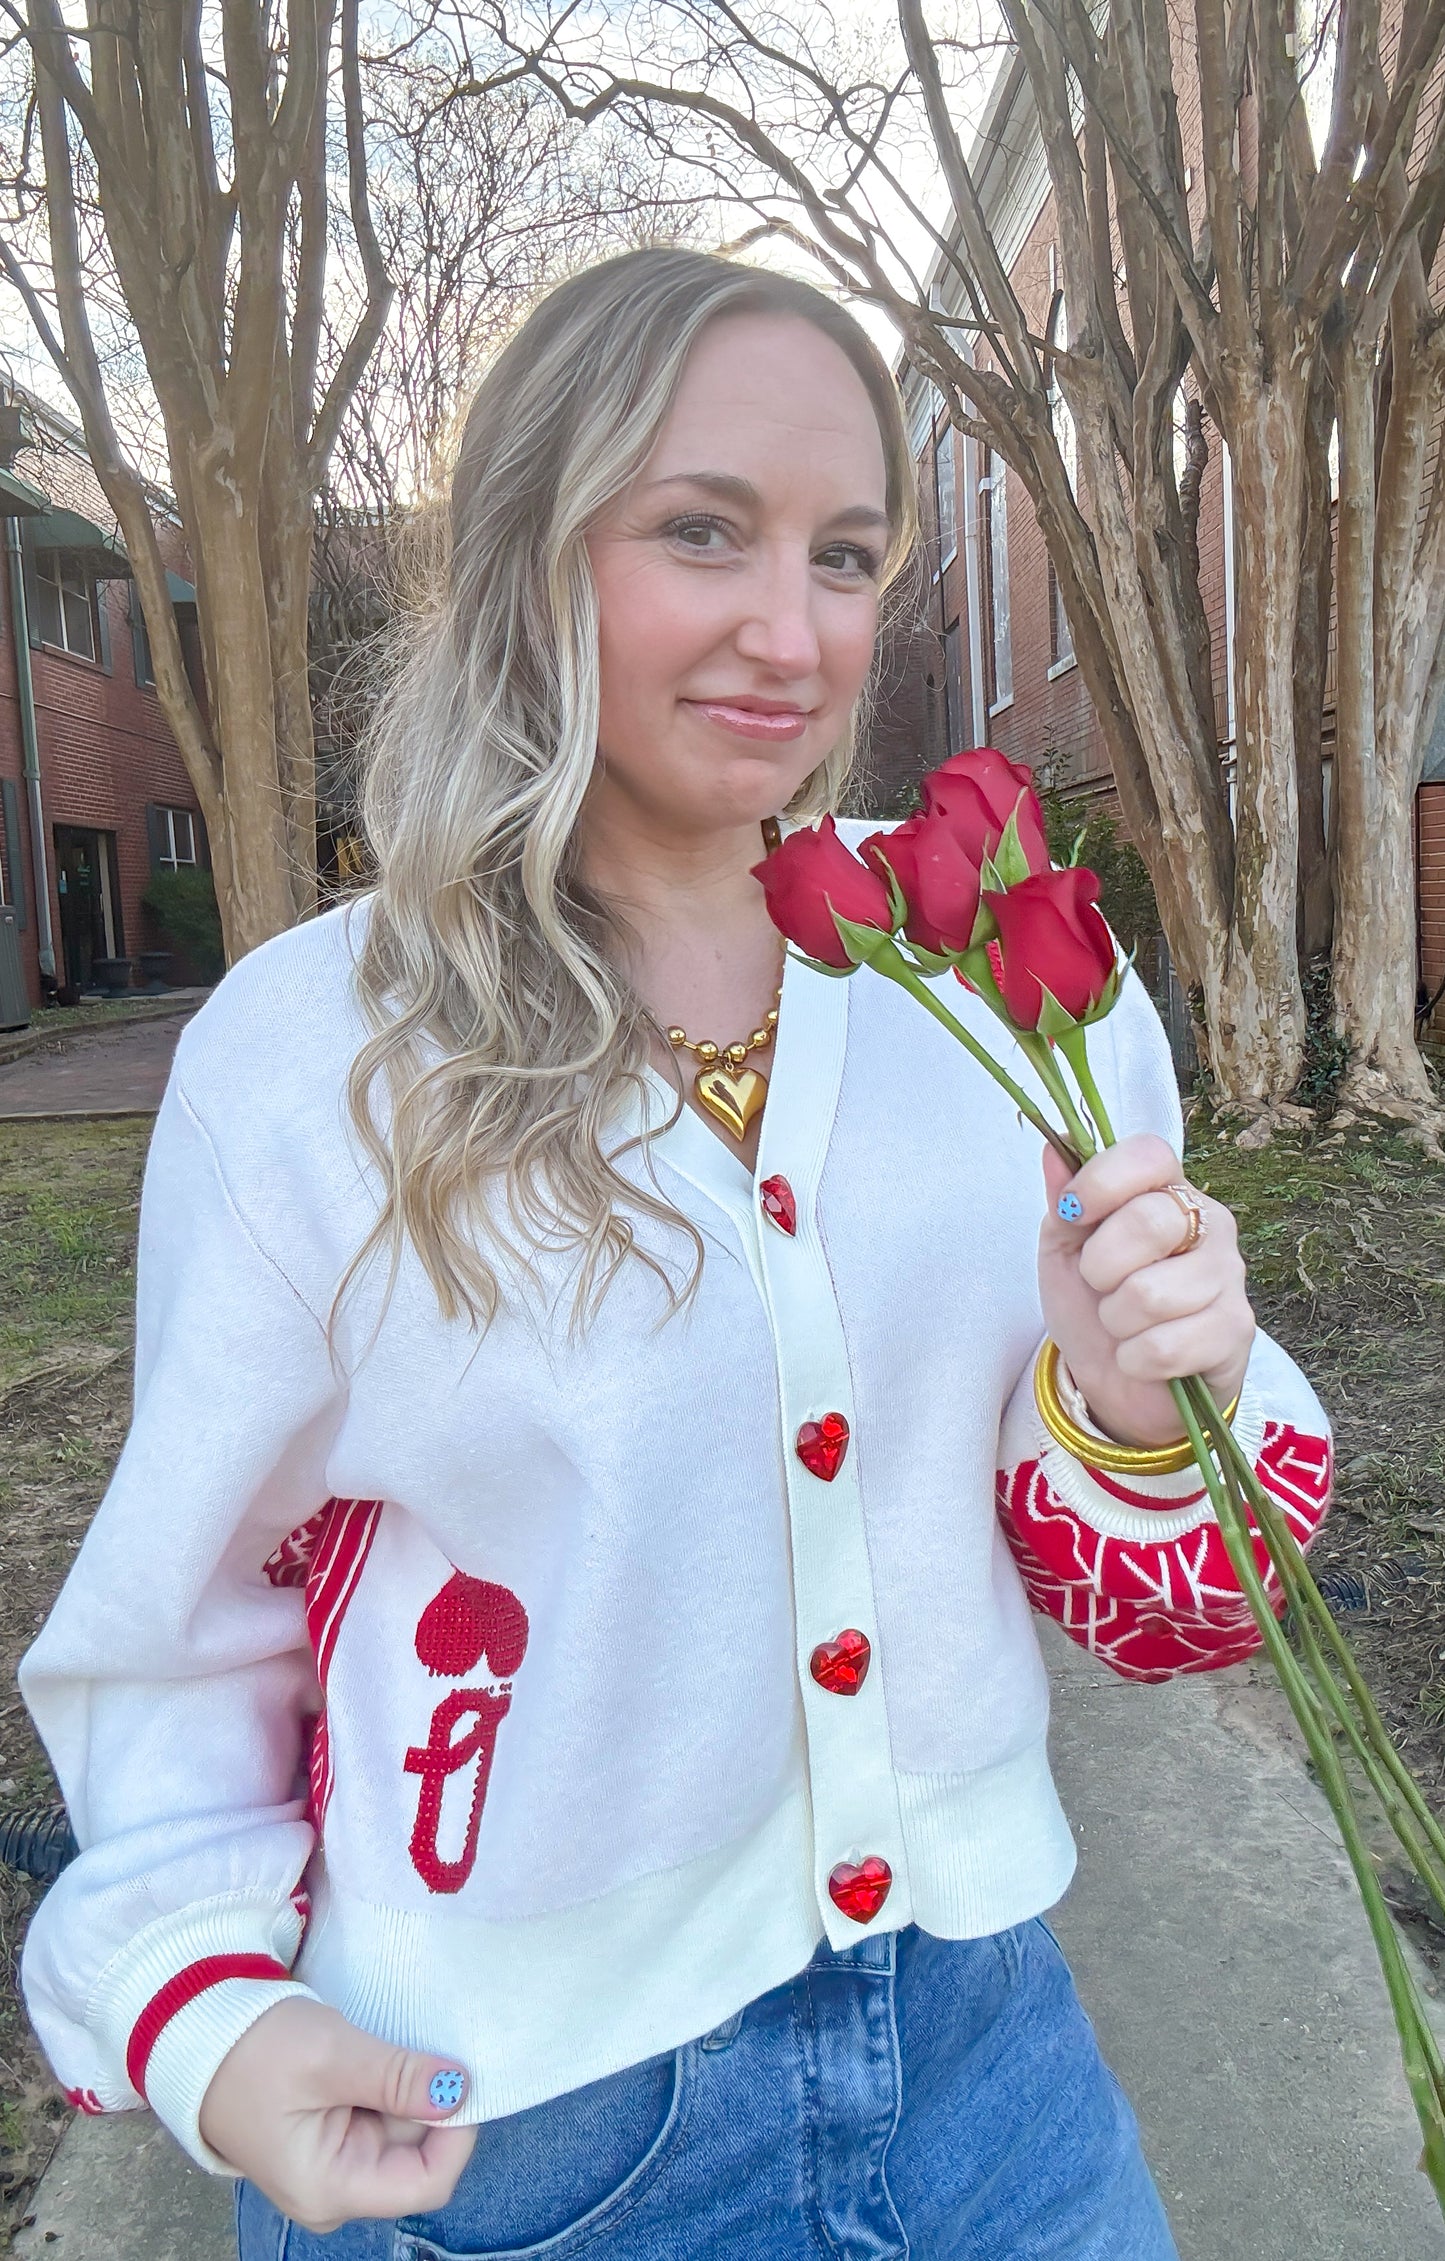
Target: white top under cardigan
x,y
561,1595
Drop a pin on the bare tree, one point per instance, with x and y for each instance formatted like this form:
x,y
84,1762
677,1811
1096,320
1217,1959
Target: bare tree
x,y
194,137
1263,267
480,200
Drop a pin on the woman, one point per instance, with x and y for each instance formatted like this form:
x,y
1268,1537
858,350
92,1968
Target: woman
x,y
602,1492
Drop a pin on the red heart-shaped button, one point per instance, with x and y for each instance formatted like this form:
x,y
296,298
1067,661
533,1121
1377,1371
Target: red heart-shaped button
x,y
821,1445
860,1892
779,1205
840,1665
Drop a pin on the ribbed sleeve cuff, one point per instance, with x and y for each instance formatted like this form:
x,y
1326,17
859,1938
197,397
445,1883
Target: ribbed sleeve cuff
x,y
181,1993
1148,1510
191,2045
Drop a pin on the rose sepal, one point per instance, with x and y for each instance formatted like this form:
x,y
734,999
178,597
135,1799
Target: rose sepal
x,y
821,965
1058,1025
928,962
897,900
862,943
1009,861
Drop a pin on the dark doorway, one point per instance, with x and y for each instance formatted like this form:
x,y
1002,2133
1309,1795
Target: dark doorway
x,y
88,885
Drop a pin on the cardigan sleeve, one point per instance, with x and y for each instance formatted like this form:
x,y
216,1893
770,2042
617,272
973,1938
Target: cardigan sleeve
x,y
174,1682
1135,1570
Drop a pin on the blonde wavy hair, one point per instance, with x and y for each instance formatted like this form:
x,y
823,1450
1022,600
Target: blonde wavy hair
x,y
504,1037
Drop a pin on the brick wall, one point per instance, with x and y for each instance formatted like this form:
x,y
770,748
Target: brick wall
x,y
105,748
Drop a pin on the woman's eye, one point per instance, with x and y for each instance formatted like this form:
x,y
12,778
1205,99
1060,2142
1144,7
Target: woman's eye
x,y
705,536
851,558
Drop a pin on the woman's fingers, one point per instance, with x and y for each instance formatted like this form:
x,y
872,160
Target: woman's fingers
x,y
1158,1293
334,2125
1139,1164
347,2066
371,2176
1196,1345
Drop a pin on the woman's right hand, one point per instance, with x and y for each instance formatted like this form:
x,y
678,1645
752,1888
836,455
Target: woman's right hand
x,y
332,2124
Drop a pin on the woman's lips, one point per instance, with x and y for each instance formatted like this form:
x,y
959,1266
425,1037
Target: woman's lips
x,y
775,725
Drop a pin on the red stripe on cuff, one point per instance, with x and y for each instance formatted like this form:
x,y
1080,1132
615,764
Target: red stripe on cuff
x,y
180,1990
1160,1505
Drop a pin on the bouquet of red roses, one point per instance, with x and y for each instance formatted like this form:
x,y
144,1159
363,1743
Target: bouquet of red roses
x,y
967,888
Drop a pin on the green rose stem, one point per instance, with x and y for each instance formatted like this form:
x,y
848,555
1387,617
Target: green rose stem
x,y
1419,2051
891,963
1321,1705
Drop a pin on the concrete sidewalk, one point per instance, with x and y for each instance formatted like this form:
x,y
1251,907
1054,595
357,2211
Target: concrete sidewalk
x,y
1218,1943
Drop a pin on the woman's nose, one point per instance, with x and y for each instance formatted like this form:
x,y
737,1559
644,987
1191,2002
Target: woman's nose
x,y
779,628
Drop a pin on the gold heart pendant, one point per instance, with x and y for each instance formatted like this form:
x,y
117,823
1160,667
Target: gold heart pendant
x,y
734,1099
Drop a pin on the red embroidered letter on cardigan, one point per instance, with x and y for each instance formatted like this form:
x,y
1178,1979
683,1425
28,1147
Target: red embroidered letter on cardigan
x,y
469,1622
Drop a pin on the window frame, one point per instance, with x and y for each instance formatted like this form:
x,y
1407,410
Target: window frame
x,y
83,587
172,860
944,434
994,557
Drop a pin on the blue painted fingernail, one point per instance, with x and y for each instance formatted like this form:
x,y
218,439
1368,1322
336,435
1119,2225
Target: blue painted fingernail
x,y
1071,1208
447,2089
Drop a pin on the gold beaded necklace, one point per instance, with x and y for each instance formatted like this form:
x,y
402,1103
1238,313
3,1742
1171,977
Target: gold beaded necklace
x,y
730,1090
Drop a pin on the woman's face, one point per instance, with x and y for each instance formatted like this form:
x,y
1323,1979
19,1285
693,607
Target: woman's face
x,y
737,579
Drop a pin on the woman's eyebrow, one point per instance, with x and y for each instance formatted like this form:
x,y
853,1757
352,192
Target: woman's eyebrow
x,y
729,487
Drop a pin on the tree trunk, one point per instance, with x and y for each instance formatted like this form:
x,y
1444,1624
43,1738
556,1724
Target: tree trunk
x,y
1312,639
253,855
287,531
1258,1019
1378,709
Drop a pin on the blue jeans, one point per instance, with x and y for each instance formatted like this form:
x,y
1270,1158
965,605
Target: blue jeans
x,y
943,2100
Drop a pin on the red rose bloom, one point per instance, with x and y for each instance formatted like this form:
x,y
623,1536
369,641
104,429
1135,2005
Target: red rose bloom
x,y
808,877
976,793
939,879
1052,936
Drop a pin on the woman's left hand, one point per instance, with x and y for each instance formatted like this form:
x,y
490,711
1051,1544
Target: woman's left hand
x,y
1129,1313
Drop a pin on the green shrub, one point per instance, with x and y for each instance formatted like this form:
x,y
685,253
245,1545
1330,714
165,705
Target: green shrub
x,y
1126,892
183,905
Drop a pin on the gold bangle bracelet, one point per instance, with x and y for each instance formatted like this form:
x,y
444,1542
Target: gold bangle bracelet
x,y
1103,1452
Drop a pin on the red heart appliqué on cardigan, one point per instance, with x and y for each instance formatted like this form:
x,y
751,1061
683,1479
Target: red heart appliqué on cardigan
x,y
860,1892
468,1620
841,1665
820,1445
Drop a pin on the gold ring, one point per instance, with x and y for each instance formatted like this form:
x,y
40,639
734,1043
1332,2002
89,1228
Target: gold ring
x,y
1103,1452
1189,1202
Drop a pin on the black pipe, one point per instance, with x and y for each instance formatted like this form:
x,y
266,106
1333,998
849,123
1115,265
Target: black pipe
x,y
37,1841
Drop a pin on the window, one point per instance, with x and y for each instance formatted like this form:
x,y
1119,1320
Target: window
x,y
953,689
65,603
943,473
145,672
1061,641
997,643
175,839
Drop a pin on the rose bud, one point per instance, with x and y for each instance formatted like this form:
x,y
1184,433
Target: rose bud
x,y
939,880
977,792
1053,937
808,877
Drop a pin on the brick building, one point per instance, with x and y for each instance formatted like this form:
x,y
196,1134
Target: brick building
x,y
94,796
985,657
